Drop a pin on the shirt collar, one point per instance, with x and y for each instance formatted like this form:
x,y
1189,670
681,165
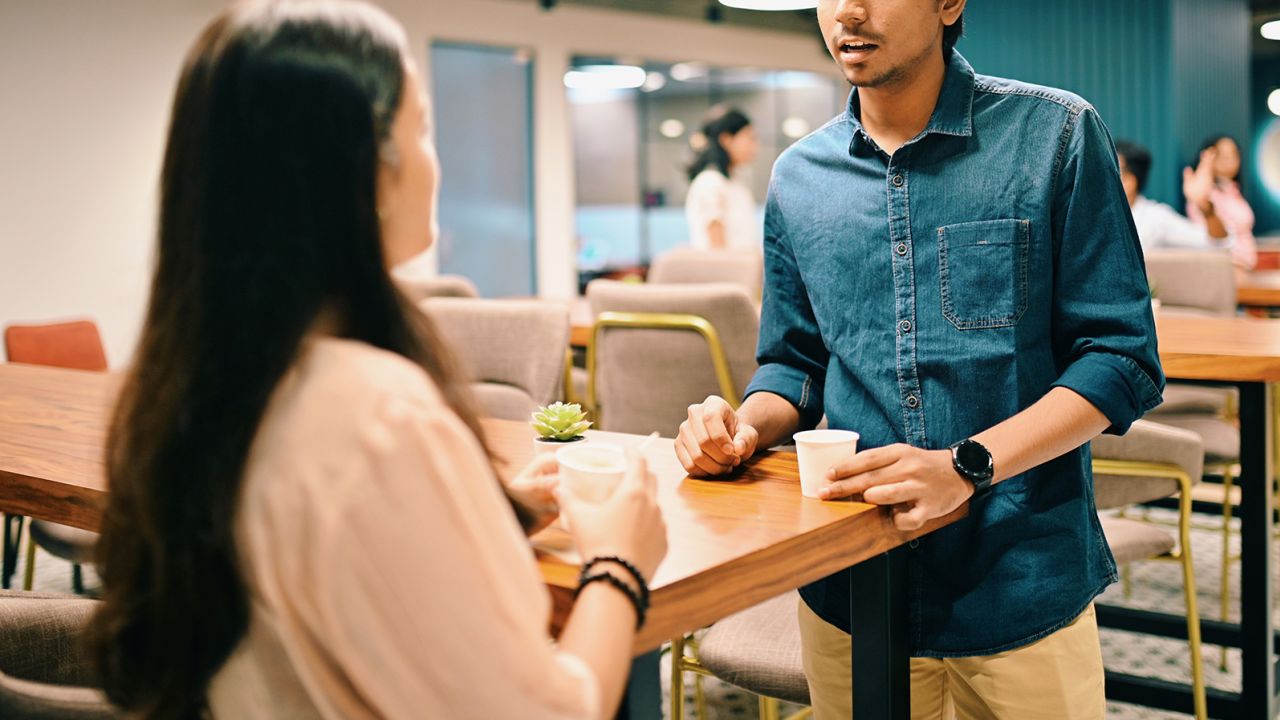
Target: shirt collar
x,y
953,114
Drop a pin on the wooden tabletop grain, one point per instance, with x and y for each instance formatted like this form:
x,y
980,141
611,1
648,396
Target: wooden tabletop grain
x,y
1260,288
1232,349
733,543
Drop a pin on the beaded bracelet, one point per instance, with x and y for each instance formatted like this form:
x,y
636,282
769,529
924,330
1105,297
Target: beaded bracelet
x,y
632,569
641,606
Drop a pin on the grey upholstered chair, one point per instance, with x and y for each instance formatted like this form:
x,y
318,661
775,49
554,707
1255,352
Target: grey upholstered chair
x,y
1152,462
513,350
688,265
1200,282
44,671
420,288
757,650
657,349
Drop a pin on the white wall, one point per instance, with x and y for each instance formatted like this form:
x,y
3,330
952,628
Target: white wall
x,y
86,87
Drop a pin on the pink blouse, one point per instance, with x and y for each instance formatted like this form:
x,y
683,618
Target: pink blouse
x,y
1237,216
388,575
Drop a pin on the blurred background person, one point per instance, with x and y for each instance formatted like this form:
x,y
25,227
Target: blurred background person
x,y
1225,199
1160,226
720,208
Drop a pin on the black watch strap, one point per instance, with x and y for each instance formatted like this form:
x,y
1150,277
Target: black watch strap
x,y
973,462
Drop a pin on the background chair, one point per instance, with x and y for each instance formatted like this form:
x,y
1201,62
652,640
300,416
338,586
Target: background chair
x,y
1203,283
44,671
744,268
659,348
1148,463
420,288
513,350
77,346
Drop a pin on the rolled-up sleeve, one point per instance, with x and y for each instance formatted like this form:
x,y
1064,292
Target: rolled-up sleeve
x,y
1103,330
791,354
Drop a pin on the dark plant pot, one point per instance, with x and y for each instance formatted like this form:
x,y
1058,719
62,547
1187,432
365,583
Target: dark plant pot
x,y
546,445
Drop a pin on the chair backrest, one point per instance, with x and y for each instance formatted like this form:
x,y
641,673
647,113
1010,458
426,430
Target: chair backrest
x,y
45,673
421,288
512,350
1146,443
647,378
690,265
75,345
1201,281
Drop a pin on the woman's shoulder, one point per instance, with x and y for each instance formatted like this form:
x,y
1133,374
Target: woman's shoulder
x,y
709,178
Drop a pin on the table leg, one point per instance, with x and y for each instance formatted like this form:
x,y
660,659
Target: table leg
x,y
881,657
643,698
1257,697
12,541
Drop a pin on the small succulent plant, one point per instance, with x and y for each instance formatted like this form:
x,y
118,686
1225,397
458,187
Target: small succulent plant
x,y
560,422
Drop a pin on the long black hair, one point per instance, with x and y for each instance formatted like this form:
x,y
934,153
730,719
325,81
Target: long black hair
x,y
713,155
268,222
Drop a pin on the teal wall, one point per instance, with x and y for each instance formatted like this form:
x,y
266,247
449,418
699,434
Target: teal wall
x,y
1163,73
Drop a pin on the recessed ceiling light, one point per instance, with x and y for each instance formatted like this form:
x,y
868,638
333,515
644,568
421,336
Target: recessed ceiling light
x,y
654,81
686,71
1271,30
771,4
1273,102
671,128
795,127
605,77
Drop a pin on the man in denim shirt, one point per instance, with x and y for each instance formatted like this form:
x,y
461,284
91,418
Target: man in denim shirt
x,y
951,263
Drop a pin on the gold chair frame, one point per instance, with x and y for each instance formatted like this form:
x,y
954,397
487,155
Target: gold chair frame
x,y
1131,468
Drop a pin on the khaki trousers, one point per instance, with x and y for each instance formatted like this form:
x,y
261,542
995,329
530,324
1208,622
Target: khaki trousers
x,y
1058,677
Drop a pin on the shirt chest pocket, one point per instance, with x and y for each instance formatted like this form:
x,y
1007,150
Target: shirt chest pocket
x,y
983,269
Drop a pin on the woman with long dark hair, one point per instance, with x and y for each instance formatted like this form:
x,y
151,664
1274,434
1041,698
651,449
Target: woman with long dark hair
x,y
1225,200
720,209
303,518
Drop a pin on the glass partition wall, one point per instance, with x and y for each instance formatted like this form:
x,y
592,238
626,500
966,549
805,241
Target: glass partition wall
x,y
635,128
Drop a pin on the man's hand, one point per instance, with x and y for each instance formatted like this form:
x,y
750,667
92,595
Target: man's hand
x,y
1197,185
920,484
713,441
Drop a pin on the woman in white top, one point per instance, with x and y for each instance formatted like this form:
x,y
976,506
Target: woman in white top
x,y
720,209
304,520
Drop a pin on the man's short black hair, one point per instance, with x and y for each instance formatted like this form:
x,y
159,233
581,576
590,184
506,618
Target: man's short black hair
x,y
1137,159
951,34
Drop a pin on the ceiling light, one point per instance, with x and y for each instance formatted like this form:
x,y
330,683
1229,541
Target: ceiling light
x,y
1271,30
771,4
795,127
671,128
605,77
1273,102
654,81
686,71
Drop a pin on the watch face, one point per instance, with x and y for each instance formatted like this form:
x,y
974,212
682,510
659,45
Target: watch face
x,y
973,458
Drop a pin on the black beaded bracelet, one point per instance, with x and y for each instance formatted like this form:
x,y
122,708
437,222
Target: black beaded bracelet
x,y
641,606
641,583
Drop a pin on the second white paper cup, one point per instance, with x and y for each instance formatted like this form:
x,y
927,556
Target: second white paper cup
x,y
818,451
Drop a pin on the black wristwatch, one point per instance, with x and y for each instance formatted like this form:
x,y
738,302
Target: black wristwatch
x,y
973,462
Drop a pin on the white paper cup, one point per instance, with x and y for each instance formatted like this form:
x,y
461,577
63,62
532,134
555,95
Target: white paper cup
x,y
591,471
818,451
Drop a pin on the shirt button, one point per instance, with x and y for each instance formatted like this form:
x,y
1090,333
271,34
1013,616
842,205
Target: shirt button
x,y
912,401
902,248
913,544
897,181
905,326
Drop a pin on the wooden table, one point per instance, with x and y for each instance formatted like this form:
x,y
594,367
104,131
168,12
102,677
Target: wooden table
x,y
732,544
1260,289
1244,352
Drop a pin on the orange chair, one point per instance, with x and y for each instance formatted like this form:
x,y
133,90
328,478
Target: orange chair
x,y
77,346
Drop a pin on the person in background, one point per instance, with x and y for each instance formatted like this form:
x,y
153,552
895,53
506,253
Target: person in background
x,y
304,518
1226,201
720,209
1160,226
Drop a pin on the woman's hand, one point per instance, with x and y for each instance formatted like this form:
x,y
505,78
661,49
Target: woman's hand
x,y
628,524
534,488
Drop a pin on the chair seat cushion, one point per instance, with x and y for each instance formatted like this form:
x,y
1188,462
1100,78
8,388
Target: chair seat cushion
x,y
1221,438
64,541
1180,398
1131,540
507,402
758,650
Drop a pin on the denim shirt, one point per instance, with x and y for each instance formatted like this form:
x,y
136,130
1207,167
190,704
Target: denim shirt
x,y
925,297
